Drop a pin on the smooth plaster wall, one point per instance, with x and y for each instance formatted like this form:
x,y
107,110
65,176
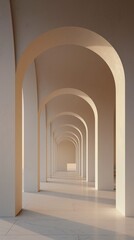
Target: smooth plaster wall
x,y
113,20
8,188
49,153
75,67
65,154
30,131
43,146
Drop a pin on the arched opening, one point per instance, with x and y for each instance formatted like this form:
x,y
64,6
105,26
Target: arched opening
x,y
94,42
65,155
64,127
58,135
71,118
84,130
89,101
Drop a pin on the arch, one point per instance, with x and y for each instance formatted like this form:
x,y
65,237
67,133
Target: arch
x,y
50,164
50,154
94,42
81,142
74,137
70,91
71,157
70,133
54,150
61,138
72,126
72,36
91,103
74,115
86,130
87,99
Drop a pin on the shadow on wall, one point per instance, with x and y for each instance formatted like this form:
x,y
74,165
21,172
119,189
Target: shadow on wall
x,y
44,227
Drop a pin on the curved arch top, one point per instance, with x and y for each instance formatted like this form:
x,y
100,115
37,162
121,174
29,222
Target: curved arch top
x,y
72,91
90,40
69,138
72,36
71,114
72,126
68,134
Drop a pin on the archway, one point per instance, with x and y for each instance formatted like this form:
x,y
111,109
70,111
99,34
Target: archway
x,y
85,129
67,140
75,130
43,156
94,42
65,146
80,94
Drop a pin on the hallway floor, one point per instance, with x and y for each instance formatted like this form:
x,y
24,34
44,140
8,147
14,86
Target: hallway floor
x,y
68,209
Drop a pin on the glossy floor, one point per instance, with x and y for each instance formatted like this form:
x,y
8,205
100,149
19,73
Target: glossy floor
x,y
68,209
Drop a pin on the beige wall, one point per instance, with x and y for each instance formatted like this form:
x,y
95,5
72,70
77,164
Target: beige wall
x,y
66,154
43,146
30,131
66,128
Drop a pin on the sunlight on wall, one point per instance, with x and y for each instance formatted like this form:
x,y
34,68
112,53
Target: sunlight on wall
x,y
22,132
71,167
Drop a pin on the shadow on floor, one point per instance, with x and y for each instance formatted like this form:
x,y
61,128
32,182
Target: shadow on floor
x,y
31,225
77,182
95,199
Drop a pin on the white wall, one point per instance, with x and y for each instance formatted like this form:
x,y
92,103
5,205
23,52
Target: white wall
x,y
30,131
43,147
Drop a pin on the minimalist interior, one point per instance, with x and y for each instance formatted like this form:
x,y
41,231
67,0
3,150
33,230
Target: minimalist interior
x,y
66,120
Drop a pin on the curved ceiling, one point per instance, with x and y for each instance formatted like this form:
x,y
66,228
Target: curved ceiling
x,y
70,66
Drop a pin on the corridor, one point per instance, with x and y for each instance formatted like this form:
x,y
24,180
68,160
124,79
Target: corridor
x,y
68,208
